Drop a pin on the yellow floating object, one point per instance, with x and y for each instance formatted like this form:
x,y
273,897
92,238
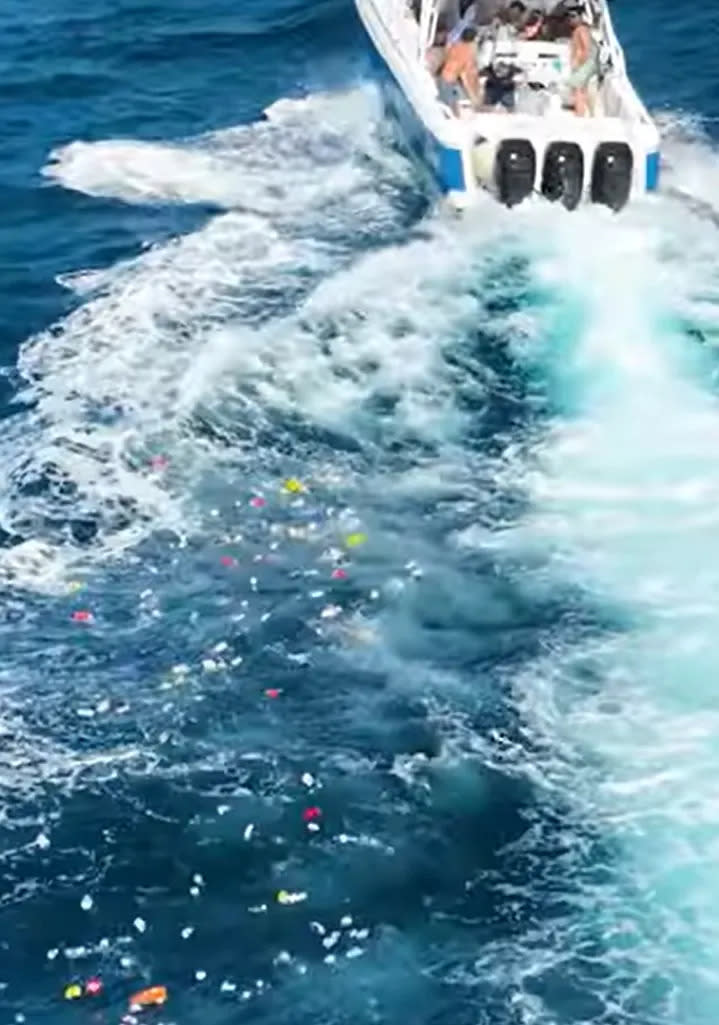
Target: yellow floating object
x,y
294,486
73,991
74,586
355,540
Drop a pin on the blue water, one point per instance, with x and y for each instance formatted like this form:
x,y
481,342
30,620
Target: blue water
x,y
455,689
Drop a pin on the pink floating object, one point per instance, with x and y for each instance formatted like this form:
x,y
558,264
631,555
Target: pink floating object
x,y
82,616
339,574
257,502
227,560
311,814
159,462
93,987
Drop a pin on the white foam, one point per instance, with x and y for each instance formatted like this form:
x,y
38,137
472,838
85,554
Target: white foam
x,y
625,491
288,159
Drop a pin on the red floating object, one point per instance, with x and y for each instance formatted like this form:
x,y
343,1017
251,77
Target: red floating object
x,y
272,692
257,502
82,616
93,987
227,560
312,814
339,574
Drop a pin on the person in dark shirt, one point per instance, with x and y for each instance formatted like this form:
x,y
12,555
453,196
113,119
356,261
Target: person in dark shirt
x,y
500,85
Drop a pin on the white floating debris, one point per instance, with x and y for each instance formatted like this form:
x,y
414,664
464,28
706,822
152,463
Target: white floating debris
x,y
284,957
318,928
346,921
330,941
85,713
210,665
222,809
198,880
359,934
257,909
87,902
249,830
104,944
316,594
238,659
140,924
75,953
354,952
246,994
146,594
374,594
180,670
200,975
265,616
42,841
308,779
227,987
52,954
126,961
313,827
194,891
330,959
187,932
330,611
253,583
219,648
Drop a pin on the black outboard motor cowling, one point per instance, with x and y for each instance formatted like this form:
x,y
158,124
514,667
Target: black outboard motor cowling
x,y
612,174
563,174
515,168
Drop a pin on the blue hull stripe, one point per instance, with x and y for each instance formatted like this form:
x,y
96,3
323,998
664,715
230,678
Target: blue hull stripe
x,y
652,179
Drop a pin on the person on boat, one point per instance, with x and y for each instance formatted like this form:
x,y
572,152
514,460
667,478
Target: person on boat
x,y
500,86
584,58
534,25
516,16
459,75
477,14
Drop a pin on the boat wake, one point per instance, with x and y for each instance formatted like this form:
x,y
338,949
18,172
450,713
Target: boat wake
x,y
530,389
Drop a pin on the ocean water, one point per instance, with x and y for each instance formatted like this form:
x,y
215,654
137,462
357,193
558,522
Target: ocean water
x,y
359,565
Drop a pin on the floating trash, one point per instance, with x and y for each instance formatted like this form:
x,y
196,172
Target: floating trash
x,y
293,486
339,574
286,897
73,991
257,502
87,902
153,996
82,616
228,561
140,924
355,540
93,987
272,692
312,814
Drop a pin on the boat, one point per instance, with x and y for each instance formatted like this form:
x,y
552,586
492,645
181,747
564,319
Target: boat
x,y
609,156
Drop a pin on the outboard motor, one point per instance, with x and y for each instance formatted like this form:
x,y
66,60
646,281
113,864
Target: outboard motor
x,y
612,174
563,175
515,167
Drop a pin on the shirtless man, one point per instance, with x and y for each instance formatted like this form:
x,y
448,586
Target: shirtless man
x,y
460,70
584,60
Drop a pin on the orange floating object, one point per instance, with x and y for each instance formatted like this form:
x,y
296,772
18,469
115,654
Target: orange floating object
x,y
151,997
